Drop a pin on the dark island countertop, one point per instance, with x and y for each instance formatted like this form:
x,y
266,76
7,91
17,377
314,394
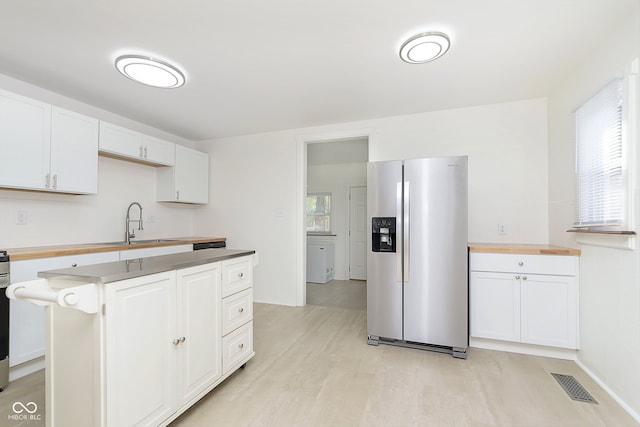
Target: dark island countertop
x,y
121,270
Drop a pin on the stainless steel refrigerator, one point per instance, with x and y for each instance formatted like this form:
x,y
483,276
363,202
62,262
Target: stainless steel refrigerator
x,y
417,258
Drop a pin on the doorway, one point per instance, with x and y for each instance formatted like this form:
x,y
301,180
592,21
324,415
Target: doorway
x,y
336,174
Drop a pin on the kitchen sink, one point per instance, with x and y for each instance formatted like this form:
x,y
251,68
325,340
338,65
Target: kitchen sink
x,y
134,242
141,242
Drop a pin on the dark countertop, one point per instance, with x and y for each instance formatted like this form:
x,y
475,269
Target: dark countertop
x,y
122,270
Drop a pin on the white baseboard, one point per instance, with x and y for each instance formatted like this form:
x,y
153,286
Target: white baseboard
x,y
610,392
531,349
26,368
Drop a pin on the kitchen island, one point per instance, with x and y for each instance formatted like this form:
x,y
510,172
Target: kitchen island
x,y
138,342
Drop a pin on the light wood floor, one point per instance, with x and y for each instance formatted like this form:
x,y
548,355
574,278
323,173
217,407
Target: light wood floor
x,y
313,368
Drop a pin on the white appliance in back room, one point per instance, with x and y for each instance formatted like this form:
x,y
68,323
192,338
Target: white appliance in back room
x,y
320,262
417,262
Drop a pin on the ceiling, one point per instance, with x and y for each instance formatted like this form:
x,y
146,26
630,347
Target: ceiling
x,y
256,65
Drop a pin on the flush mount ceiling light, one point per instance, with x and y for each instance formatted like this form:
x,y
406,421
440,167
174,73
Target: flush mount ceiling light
x,y
150,71
424,47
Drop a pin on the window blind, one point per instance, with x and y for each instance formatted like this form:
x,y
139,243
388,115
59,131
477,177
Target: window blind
x,y
599,173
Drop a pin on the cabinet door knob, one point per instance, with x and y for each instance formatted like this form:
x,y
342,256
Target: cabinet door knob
x,y
521,263
176,341
241,309
241,346
74,265
182,339
517,277
524,277
241,275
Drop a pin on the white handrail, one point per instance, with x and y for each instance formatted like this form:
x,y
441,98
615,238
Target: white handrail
x,y
82,297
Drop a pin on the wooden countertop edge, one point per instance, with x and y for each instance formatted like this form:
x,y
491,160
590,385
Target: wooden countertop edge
x,y
521,248
17,254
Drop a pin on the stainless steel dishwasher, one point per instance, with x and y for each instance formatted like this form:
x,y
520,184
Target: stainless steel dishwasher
x,y
4,320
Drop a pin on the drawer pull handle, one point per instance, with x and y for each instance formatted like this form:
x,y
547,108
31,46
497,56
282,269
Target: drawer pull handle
x,y
521,263
241,309
241,346
74,265
517,277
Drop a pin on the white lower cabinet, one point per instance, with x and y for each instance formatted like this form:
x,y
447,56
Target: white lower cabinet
x,y
237,312
530,299
156,348
163,343
140,326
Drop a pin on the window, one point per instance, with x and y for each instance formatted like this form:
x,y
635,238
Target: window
x,y
600,183
319,213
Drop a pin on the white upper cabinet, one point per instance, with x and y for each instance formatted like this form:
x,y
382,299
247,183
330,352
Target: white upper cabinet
x,y
187,181
46,148
74,152
128,144
158,151
24,141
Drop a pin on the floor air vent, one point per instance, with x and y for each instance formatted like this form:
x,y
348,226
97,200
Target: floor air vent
x,y
573,388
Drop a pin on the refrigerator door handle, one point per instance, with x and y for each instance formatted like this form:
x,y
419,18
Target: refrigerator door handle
x,y
405,234
399,231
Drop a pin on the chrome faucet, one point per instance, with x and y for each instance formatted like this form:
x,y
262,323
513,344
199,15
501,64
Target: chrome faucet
x,y
131,234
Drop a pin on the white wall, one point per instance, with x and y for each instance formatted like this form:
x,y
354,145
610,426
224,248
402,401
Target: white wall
x,y
258,181
60,219
609,277
337,180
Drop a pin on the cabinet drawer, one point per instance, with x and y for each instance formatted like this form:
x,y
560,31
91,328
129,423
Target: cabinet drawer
x,y
563,265
236,346
237,310
236,275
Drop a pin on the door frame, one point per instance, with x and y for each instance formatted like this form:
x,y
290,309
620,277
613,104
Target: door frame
x,y
301,189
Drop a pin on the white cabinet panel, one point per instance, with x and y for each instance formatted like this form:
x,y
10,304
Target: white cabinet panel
x,y
120,141
129,144
24,141
495,302
187,181
158,151
199,322
74,152
140,356
237,346
520,263
237,310
236,275
27,323
549,310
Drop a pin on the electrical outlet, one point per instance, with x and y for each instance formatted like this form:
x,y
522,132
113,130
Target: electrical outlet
x,y
22,218
502,229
